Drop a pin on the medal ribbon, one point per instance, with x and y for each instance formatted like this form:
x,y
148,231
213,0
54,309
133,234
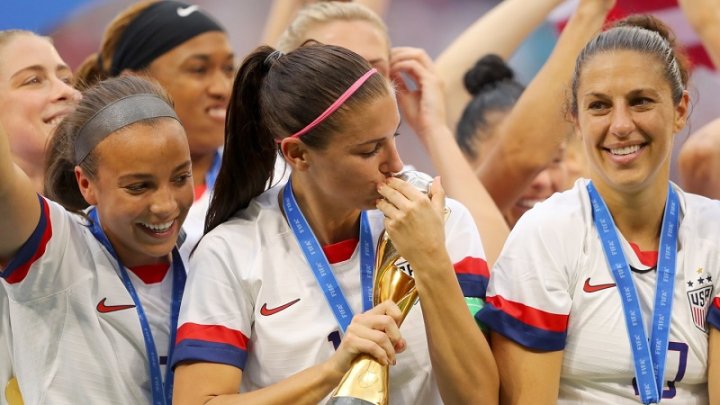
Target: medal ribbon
x,y
321,267
161,393
212,173
649,356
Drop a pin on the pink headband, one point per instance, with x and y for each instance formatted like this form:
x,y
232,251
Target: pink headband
x,y
335,105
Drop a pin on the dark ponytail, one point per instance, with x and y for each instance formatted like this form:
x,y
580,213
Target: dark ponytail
x,y
274,96
493,88
250,149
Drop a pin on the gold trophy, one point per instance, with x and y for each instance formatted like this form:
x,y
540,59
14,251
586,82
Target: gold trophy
x,y
366,383
12,393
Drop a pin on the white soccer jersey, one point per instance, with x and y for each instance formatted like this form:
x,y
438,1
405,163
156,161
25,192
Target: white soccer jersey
x,y
6,371
551,289
194,225
252,301
75,330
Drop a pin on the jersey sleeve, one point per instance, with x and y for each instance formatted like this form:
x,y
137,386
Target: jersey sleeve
x,y
6,370
714,314
217,307
528,299
52,257
466,251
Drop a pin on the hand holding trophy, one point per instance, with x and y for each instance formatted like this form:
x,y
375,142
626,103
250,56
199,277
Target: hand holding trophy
x,y
367,382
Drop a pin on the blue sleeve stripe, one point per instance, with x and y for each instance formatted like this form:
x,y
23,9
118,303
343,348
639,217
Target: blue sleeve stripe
x,y
713,317
473,285
190,351
31,249
519,332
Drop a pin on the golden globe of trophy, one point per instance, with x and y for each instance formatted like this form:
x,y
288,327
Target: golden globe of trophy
x,y
366,382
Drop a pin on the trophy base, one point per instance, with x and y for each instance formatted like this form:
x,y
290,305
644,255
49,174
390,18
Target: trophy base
x,y
348,401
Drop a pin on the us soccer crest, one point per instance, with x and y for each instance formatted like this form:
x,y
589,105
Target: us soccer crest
x,y
699,300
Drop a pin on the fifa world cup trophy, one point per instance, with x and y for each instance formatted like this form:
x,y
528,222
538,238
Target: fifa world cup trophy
x,y
366,383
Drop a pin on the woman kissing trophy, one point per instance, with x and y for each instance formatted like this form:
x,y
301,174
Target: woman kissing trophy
x,y
366,383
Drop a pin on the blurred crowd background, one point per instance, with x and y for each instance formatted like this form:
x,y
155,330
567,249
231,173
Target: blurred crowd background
x,y
77,25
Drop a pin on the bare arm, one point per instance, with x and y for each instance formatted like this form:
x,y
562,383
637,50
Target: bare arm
x,y
499,31
374,332
464,372
19,208
283,12
206,383
714,366
526,377
535,128
699,161
704,16
424,111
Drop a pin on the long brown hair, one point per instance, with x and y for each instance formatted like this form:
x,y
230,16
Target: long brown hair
x,y
274,96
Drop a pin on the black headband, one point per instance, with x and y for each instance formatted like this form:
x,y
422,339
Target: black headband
x,y
156,30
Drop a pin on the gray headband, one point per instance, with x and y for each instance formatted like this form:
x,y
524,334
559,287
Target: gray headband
x,y
119,114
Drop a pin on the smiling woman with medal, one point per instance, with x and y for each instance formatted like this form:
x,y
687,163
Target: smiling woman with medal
x,y
279,292
607,293
91,269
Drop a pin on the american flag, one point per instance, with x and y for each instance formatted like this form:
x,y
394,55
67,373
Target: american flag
x,y
666,10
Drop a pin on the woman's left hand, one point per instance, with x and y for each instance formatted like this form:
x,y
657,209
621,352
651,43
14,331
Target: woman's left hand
x,y
414,222
423,107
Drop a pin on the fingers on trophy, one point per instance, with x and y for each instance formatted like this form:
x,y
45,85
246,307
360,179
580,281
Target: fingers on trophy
x,y
367,382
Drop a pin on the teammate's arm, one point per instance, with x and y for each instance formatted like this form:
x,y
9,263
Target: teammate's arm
x,y
714,366
699,161
374,332
423,110
704,16
19,208
499,31
208,383
529,137
526,376
463,367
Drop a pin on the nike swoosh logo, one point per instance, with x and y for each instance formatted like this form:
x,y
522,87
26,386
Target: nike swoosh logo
x,y
589,288
186,11
105,309
265,311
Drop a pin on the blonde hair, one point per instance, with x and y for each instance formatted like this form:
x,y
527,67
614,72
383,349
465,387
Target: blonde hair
x,y
8,35
325,12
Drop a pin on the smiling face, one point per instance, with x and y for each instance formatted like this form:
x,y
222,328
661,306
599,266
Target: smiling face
x,y
349,169
550,180
142,189
35,95
361,37
627,120
198,76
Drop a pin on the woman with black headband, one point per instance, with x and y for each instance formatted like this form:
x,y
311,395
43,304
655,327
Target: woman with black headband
x,y
189,54
91,269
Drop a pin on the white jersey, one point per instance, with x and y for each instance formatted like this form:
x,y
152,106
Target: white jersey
x,y
551,289
75,329
194,225
6,371
252,301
